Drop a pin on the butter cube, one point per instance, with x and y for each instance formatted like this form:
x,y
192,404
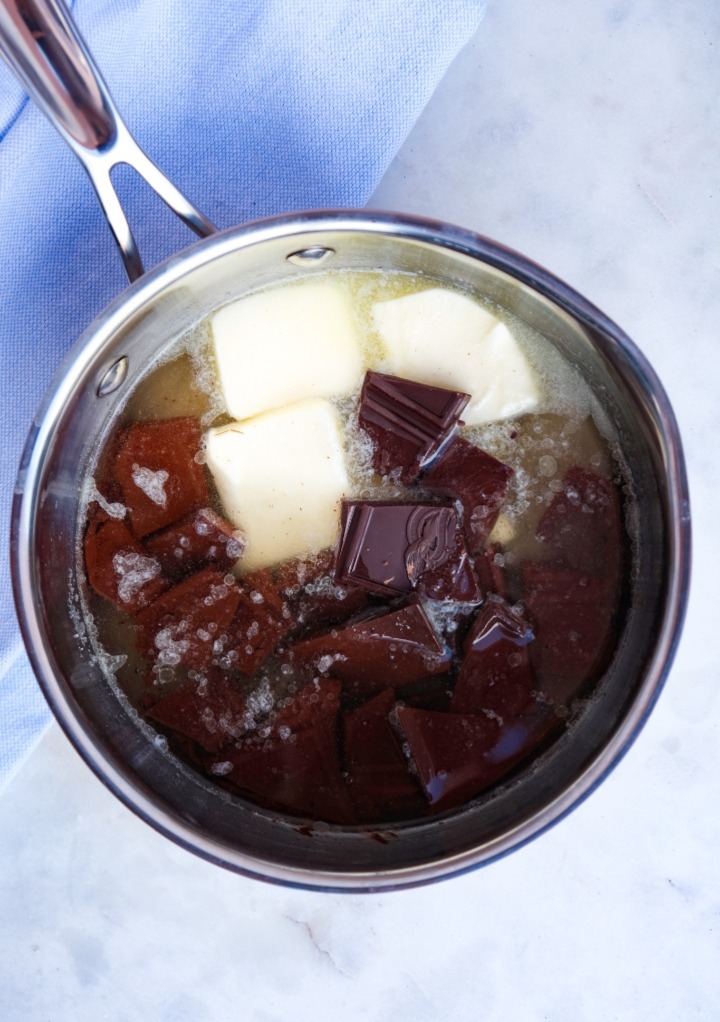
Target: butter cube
x,y
281,477
286,344
445,339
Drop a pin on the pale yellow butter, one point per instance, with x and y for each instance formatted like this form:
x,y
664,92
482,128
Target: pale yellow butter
x,y
286,344
445,339
503,532
281,477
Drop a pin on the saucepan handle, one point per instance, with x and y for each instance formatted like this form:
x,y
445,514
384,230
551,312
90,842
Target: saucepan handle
x,y
42,45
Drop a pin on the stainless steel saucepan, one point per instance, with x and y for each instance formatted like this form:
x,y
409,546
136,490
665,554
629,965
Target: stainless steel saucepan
x,y
40,42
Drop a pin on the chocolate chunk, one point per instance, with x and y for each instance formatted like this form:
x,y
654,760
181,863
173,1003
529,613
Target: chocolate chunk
x,y
392,648
299,777
466,473
391,549
160,480
376,769
319,698
408,422
457,756
202,538
296,767
212,712
314,596
452,753
495,675
264,588
571,614
582,524
293,575
262,619
522,732
117,566
432,693
187,626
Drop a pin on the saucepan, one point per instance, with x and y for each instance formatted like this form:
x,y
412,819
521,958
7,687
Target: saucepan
x,y
45,50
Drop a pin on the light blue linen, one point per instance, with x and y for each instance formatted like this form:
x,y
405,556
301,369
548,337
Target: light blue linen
x,y
253,107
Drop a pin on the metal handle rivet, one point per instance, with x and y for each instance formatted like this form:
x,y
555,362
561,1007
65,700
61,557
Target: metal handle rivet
x,y
113,378
313,256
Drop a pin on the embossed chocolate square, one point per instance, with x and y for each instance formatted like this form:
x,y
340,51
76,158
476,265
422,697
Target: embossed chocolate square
x,y
392,548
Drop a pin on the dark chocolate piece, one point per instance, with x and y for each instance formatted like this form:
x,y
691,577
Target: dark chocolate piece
x,y
391,549
433,693
293,575
571,614
392,648
408,422
321,697
212,712
466,473
452,753
299,777
187,627
160,480
200,539
262,583
315,597
296,765
495,675
262,619
457,756
379,782
117,566
582,524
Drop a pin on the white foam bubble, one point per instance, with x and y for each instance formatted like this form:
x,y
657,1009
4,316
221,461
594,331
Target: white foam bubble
x,y
151,483
170,647
261,700
113,508
133,571
234,548
198,346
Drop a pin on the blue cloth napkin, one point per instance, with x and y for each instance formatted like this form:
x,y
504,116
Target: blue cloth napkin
x,y
253,107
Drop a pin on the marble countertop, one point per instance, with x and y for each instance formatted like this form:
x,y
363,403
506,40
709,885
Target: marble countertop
x,y
587,137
